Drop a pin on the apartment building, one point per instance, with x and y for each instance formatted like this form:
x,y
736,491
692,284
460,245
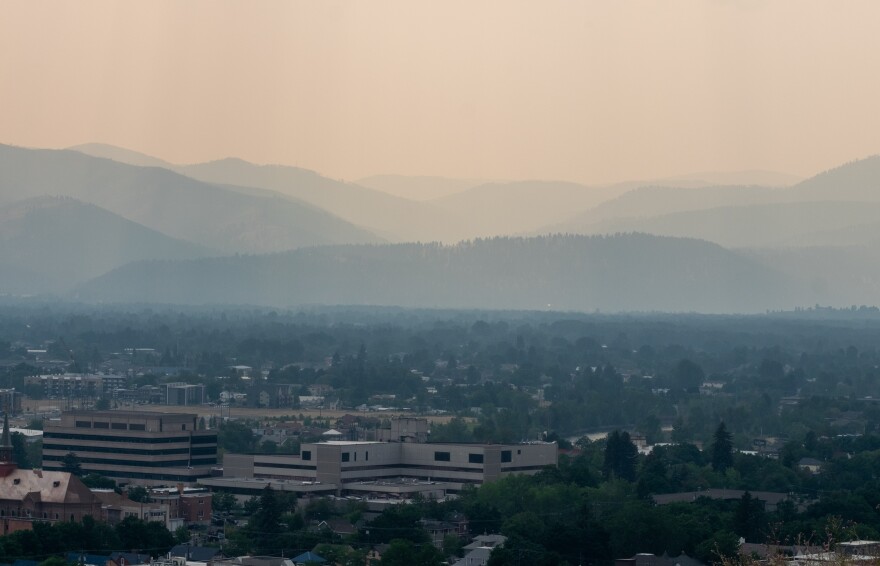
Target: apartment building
x,y
132,446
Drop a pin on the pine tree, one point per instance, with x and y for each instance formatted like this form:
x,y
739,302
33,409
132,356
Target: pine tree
x,y
722,449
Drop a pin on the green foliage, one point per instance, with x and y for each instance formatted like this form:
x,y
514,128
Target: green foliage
x,y
404,552
138,493
70,463
621,457
236,437
182,535
722,449
95,481
19,450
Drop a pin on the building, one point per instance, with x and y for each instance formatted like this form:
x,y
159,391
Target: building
x,y
399,468
10,401
132,446
183,394
190,505
37,495
76,385
116,507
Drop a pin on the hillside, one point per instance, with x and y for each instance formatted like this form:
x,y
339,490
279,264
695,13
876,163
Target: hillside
x,y
659,200
855,181
517,207
395,218
620,273
767,225
178,206
418,187
52,244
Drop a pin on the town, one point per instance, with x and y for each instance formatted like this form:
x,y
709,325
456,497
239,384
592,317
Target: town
x,y
199,439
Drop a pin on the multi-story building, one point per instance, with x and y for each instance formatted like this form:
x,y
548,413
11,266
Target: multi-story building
x,y
132,446
183,394
76,386
402,465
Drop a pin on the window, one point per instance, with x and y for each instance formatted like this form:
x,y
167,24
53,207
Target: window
x,y
183,427
506,456
101,425
345,456
355,456
119,426
306,455
367,455
137,427
475,458
441,456
83,424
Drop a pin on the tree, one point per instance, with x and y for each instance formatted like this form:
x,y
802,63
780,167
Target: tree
x,y
19,450
403,552
96,481
138,493
688,375
182,535
620,457
722,449
71,464
265,526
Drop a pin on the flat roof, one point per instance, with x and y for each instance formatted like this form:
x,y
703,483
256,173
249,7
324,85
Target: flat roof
x,y
123,414
348,442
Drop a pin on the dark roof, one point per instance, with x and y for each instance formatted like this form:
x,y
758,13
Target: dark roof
x,y
130,558
195,553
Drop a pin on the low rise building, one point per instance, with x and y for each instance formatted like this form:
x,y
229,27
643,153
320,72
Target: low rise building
x,y
397,467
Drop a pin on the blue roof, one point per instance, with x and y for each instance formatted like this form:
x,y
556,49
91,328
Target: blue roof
x,y
91,559
308,557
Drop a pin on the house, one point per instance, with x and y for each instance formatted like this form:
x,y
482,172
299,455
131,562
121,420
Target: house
x,y
811,465
37,495
648,559
480,549
194,553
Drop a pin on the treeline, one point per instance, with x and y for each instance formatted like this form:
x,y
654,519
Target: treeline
x,y
90,536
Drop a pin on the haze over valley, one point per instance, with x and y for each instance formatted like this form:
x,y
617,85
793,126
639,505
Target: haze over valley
x,y
103,224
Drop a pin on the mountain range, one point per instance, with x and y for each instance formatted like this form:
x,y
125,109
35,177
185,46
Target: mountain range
x,y
115,225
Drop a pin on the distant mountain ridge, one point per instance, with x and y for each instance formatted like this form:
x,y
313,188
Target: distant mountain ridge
x,y
51,244
616,273
176,205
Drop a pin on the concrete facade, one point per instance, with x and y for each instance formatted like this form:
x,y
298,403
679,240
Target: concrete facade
x,y
345,466
141,447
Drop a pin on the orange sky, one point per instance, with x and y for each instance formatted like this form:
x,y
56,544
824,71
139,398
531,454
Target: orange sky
x,y
577,90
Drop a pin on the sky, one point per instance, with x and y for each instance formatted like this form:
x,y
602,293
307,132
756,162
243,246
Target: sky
x,y
576,90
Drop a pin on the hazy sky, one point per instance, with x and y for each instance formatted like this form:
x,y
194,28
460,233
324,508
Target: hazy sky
x,y
576,90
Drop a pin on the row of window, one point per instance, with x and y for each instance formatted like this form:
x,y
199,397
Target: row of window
x,y
139,475
139,464
201,439
198,451
115,426
115,450
346,456
473,458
